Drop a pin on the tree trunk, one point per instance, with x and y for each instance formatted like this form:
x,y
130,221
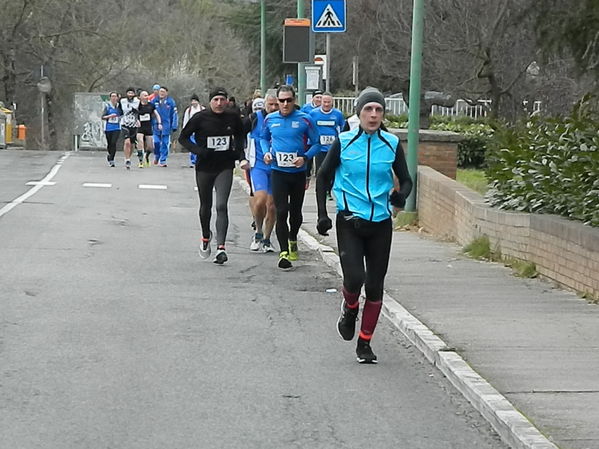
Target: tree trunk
x,y
10,73
53,139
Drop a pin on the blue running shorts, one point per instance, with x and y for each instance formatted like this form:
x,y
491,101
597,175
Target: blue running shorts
x,y
261,180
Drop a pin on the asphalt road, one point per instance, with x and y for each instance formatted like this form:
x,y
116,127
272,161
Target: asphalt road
x,y
114,334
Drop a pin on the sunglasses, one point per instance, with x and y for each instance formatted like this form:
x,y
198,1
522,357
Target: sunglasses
x,y
285,100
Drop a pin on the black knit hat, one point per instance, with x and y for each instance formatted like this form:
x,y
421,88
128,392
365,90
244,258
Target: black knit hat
x,y
368,95
218,91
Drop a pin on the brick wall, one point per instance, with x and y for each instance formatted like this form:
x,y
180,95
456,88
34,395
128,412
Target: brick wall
x,y
436,149
564,251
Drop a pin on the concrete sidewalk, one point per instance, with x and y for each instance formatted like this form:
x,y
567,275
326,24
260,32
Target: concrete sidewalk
x,y
521,350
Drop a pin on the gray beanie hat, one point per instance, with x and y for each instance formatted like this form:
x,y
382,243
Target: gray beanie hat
x,y
369,95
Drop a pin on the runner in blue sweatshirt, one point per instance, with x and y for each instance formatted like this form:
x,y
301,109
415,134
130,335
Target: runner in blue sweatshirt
x,y
284,140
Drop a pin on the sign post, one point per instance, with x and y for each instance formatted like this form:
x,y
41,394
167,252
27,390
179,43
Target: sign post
x,y
329,16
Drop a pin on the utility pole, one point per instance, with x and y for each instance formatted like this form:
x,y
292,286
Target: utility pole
x,y
301,72
263,47
414,111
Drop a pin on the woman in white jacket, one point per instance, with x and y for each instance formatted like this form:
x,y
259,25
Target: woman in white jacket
x,y
191,110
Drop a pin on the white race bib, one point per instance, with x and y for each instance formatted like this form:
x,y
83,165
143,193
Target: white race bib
x,y
327,140
285,159
144,117
218,143
113,119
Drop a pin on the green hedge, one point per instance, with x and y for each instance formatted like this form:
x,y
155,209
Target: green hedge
x,y
471,150
547,166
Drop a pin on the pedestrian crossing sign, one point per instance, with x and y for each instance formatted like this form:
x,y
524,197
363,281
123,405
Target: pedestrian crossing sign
x,y
328,16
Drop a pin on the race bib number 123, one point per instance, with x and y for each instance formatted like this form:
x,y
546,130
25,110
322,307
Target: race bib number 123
x,y
218,143
285,159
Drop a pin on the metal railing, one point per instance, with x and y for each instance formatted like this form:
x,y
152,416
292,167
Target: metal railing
x,y
397,106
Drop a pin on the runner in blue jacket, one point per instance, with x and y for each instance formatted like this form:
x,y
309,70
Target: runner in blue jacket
x,y
362,163
284,140
167,109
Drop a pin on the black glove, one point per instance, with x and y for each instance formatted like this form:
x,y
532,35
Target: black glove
x,y
324,224
397,199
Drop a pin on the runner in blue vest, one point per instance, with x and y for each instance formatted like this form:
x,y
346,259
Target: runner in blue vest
x,y
263,208
362,163
284,140
112,116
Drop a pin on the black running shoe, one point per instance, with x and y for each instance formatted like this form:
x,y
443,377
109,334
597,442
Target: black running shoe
x,y
221,256
346,324
364,352
284,262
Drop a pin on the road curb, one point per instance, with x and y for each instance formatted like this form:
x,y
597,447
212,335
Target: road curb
x,y
508,422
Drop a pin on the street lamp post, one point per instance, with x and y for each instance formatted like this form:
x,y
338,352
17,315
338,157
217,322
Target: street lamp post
x,y
413,113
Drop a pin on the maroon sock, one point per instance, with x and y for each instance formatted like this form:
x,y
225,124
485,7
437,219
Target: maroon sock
x,y
351,299
370,316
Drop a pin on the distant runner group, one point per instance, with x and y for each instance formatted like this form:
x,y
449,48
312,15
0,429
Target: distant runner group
x,y
357,163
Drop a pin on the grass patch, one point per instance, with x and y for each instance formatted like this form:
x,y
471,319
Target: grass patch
x,y
522,268
480,248
405,220
473,179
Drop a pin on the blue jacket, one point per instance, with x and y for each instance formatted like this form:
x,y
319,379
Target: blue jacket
x,y
364,176
329,126
288,136
168,114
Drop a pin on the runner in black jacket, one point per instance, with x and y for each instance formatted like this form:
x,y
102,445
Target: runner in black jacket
x,y
220,139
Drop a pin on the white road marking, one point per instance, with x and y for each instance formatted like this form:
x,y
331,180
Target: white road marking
x,y
152,187
97,184
36,188
37,183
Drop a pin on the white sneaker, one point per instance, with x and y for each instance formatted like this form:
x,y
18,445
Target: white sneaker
x,y
205,248
267,246
256,242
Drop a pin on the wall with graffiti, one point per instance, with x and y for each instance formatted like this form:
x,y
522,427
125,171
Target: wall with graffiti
x,y
89,127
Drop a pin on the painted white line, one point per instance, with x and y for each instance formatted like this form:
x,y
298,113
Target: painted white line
x,y
97,184
38,183
14,203
152,187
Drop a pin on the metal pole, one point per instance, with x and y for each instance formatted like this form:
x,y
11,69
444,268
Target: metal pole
x,y
301,72
414,110
328,63
263,47
42,113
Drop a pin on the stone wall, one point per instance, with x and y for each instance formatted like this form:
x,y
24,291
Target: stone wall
x,y
564,251
436,149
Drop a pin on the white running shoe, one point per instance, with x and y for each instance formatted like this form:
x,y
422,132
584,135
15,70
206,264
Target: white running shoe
x,y
205,247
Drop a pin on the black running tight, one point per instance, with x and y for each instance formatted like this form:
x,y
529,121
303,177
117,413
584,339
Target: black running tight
x,y
288,190
362,241
221,182
112,137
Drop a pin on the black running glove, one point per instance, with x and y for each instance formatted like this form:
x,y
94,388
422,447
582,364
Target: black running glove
x,y
397,199
324,224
